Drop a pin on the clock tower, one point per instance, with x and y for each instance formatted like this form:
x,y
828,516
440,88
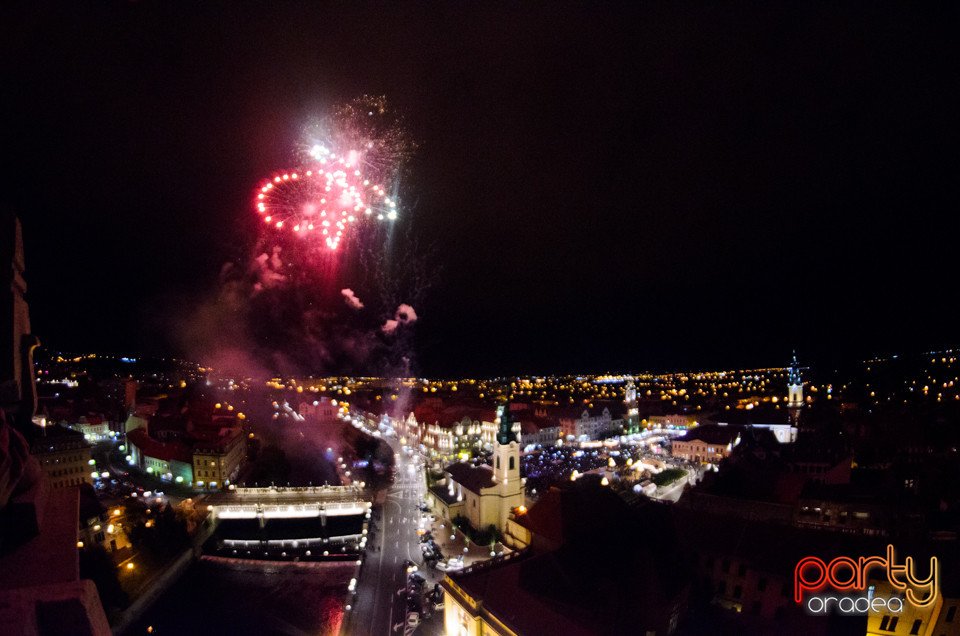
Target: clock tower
x,y
794,389
506,467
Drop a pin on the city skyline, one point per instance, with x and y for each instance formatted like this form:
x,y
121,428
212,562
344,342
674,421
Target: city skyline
x,y
604,190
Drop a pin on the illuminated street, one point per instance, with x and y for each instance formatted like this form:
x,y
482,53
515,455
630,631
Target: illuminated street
x,y
377,606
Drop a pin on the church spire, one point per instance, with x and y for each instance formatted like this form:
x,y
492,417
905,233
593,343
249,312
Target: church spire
x,y
794,385
505,433
794,377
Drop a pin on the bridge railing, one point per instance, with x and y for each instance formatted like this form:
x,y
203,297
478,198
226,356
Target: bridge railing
x,y
254,509
308,490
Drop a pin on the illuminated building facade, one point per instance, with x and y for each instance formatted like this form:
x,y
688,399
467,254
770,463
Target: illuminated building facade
x,y
322,410
64,456
707,444
169,461
585,424
93,427
671,421
216,465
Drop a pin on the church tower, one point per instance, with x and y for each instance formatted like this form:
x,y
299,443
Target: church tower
x,y
506,467
632,424
506,451
794,389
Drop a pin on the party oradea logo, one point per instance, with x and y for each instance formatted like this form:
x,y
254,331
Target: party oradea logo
x,y
842,584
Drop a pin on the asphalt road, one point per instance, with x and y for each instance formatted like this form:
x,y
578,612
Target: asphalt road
x,y
377,608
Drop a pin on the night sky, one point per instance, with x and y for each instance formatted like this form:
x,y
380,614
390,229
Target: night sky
x,y
604,188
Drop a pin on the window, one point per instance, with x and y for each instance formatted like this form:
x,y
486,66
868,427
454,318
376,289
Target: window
x,y
722,587
762,585
498,463
511,463
916,626
737,591
756,608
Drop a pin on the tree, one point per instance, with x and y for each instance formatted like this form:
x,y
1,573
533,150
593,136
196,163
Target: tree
x,y
97,565
272,466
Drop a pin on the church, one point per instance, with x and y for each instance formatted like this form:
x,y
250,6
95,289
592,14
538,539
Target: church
x,y
486,495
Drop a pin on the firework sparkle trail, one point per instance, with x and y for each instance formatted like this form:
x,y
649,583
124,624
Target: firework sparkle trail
x,y
324,199
351,160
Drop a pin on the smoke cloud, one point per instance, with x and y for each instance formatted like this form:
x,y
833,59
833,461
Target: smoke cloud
x,y
403,316
351,299
406,314
266,268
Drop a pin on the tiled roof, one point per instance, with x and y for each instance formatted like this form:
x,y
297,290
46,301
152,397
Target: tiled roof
x,y
174,451
473,478
443,494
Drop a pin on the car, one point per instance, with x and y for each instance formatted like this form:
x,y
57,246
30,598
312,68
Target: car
x,y
413,619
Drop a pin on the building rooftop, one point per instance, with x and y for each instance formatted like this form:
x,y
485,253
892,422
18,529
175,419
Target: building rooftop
x,y
473,478
558,517
54,438
600,580
759,415
712,434
173,451
443,494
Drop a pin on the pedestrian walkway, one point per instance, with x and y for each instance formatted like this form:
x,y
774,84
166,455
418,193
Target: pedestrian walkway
x,y
452,543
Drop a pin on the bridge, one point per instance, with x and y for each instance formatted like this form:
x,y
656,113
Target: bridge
x,y
287,503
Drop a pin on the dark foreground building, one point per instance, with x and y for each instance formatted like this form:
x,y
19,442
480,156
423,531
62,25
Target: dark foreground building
x,y
595,566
